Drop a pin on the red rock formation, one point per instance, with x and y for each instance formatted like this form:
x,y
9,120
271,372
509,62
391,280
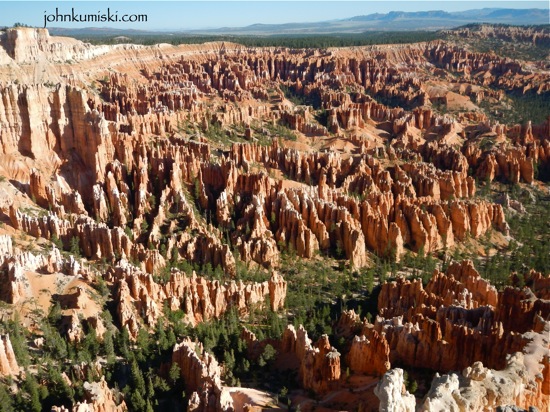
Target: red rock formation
x,y
99,398
528,35
536,281
15,263
254,346
201,374
132,191
14,287
139,296
369,353
424,327
319,364
72,327
126,171
348,325
8,363
487,69
458,309
518,310
511,165
461,285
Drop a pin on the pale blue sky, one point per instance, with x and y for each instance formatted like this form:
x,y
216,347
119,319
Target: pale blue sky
x,y
182,15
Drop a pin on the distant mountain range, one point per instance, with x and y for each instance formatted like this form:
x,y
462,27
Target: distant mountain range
x,y
392,21
396,21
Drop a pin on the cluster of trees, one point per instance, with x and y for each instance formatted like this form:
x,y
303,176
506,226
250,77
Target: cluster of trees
x,y
131,368
524,107
313,98
293,41
319,289
531,106
530,247
43,385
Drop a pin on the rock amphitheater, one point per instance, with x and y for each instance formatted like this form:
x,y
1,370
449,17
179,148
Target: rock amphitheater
x,y
155,174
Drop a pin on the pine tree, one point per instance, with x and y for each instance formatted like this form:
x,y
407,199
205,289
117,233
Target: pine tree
x,y
137,387
162,339
137,401
91,343
123,343
31,387
142,343
109,346
6,400
171,338
55,314
149,385
269,352
18,341
370,280
174,373
138,383
75,246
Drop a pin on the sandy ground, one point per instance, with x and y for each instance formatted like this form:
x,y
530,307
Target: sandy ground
x,y
41,286
454,101
253,397
356,393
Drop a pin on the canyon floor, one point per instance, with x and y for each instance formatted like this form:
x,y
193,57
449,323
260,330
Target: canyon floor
x,y
218,227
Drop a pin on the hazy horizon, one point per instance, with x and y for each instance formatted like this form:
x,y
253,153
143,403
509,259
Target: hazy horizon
x,y
194,15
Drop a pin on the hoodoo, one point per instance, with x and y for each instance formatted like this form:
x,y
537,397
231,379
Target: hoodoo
x,y
221,227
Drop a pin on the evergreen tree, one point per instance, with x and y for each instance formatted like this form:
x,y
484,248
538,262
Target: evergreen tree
x,y
123,343
6,400
18,341
174,373
162,339
109,346
91,343
142,343
75,246
136,389
31,388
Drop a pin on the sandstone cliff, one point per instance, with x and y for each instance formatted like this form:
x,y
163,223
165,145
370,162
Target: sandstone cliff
x,y
115,154
319,364
197,156
201,374
8,363
507,331
99,398
423,327
140,298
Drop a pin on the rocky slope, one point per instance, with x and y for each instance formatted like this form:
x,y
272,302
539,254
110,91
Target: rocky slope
x,y
163,176
201,373
319,364
107,135
8,362
99,398
460,322
200,299
533,35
